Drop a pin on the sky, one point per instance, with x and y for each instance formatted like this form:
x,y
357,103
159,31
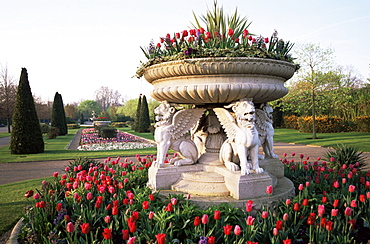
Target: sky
x,y
74,47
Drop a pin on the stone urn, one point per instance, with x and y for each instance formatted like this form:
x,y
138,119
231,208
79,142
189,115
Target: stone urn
x,y
219,80
101,123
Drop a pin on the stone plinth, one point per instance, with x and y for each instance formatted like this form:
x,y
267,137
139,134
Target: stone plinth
x,y
204,181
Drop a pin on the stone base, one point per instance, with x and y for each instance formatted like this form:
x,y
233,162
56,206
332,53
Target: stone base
x,y
217,181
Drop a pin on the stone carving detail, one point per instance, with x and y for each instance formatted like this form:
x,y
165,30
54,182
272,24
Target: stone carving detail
x,y
265,130
242,137
171,131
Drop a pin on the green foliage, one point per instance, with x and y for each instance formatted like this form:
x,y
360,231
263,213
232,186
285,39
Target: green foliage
x,y
324,124
44,128
107,132
345,154
26,135
363,123
73,126
119,124
144,120
53,132
58,117
137,115
87,107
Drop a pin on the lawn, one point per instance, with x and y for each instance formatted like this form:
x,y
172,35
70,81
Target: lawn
x,y
360,140
55,149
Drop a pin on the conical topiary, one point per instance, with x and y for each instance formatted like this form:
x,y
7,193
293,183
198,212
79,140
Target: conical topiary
x,y
144,120
58,118
26,135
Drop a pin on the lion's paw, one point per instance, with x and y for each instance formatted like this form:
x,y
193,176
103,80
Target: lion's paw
x,y
232,166
245,171
259,170
156,164
261,157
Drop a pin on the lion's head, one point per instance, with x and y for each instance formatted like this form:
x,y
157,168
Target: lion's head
x,y
244,112
164,112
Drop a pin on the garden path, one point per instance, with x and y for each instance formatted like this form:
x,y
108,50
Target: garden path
x,y
20,171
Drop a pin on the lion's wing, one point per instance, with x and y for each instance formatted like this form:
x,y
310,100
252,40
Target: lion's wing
x,y
261,119
227,121
184,120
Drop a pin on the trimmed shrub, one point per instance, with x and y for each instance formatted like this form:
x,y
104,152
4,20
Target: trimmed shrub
x,y
291,122
323,125
119,124
106,132
144,120
58,118
363,123
26,135
73,126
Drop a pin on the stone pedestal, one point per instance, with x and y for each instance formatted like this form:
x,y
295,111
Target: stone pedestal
x,y
205,181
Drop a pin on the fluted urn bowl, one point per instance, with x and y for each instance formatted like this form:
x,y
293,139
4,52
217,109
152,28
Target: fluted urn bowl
x,y
219,80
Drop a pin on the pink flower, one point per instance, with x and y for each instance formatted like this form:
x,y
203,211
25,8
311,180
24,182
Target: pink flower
x,y
250,220
55,174
334,212
205,219
237,230
300,187
348,211
351,188
70,227
321,210
151,215
269,189
265,214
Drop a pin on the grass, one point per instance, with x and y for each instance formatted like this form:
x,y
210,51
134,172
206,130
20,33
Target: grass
x,y
55,149
12,201
360,140
4,134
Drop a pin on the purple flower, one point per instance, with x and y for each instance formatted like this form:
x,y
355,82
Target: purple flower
x,y
203,240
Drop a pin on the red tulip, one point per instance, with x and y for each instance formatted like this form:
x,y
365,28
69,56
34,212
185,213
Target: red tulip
x,y
59,207
266,40
329,225
29,194
353,204
161,238
265,215
169,207
279,225
107,234
197,221
107,219
248,207
287,241
287,202
131,240
250,220
217,215
336,203
135,215
351,188
296,206
115,211
362,198
305,202
85,228
151,215
131,225
334,212
269,189
125,234
336,184
311,219
348,211
151,197
55,174
227,229
211,240
145,205
230,32
324,200
300,187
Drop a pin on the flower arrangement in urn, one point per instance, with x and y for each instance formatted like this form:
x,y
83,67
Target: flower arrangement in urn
x,y
101,119
221,36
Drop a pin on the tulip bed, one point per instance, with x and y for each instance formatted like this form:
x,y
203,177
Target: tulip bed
x,y
90,141
108,202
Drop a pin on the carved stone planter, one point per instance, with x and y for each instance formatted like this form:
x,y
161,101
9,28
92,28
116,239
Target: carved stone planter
x,y
102,123
219,80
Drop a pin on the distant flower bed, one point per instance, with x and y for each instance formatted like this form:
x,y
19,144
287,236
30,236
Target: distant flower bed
x,y
90,141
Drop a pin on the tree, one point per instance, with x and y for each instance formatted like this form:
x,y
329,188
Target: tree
x,y
8,91
106,97
58,117
86,107
144,120
43,109
71,111
26,137
137,115
314,63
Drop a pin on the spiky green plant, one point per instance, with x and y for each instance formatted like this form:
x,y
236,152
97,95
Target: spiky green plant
x,y
344,154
